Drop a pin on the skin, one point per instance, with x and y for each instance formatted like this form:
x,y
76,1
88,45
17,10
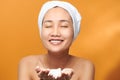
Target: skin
x,y
57,37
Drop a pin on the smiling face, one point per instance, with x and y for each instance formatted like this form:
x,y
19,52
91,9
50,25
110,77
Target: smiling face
x,y
57,30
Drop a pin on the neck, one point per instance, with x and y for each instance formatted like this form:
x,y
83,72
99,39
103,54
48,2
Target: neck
x,y
60,60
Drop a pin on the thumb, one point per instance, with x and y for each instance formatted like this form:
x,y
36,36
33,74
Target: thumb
x,y
37,69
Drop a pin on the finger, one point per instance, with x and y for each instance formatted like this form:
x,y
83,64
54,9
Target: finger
x,y
68,71
37,69
44,74
66,76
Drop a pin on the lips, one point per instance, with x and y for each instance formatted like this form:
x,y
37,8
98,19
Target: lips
x,y
55,41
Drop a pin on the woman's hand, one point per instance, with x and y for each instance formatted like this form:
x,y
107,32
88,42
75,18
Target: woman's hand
x,y
54,74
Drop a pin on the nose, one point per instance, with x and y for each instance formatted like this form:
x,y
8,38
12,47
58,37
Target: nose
x,y
55,32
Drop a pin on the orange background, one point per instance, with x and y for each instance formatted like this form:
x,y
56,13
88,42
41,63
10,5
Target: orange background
x,y
99,39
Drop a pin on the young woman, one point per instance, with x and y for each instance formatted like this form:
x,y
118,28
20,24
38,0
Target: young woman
x,y
59,24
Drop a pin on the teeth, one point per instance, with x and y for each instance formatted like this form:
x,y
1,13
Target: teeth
x,y
55,41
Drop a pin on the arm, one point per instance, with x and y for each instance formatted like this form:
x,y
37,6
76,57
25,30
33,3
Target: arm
x,y
88,71
23,72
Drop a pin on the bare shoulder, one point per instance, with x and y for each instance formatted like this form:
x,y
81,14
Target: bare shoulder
x,y
29,59
88,66
87,63
26,68
85,69
84,62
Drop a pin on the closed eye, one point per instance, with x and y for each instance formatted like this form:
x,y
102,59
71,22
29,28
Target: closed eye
x,y
47,26
64,26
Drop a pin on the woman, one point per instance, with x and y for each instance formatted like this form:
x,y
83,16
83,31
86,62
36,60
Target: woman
x,y
59,24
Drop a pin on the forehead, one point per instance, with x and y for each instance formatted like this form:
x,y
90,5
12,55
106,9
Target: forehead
x,y
57,13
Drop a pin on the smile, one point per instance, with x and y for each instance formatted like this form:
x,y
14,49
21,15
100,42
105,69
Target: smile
x,y
55,41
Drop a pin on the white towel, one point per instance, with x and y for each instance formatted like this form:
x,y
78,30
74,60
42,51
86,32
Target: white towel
x,y
75,15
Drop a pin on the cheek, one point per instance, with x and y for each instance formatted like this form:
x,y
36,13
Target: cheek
x,y
44,34
68,33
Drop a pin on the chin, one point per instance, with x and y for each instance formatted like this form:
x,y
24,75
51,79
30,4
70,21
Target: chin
x,y
55,51
58,51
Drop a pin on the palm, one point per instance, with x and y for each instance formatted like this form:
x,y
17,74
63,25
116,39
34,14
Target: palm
x,y
54,74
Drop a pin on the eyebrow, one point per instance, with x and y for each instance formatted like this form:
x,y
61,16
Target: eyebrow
x,y
47,21
65,21
59,20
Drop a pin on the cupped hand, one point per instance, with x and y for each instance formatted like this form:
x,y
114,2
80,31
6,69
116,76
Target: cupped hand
x,y
54,74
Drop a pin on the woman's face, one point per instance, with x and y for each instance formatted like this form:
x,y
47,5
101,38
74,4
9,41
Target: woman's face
x,y
57,30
